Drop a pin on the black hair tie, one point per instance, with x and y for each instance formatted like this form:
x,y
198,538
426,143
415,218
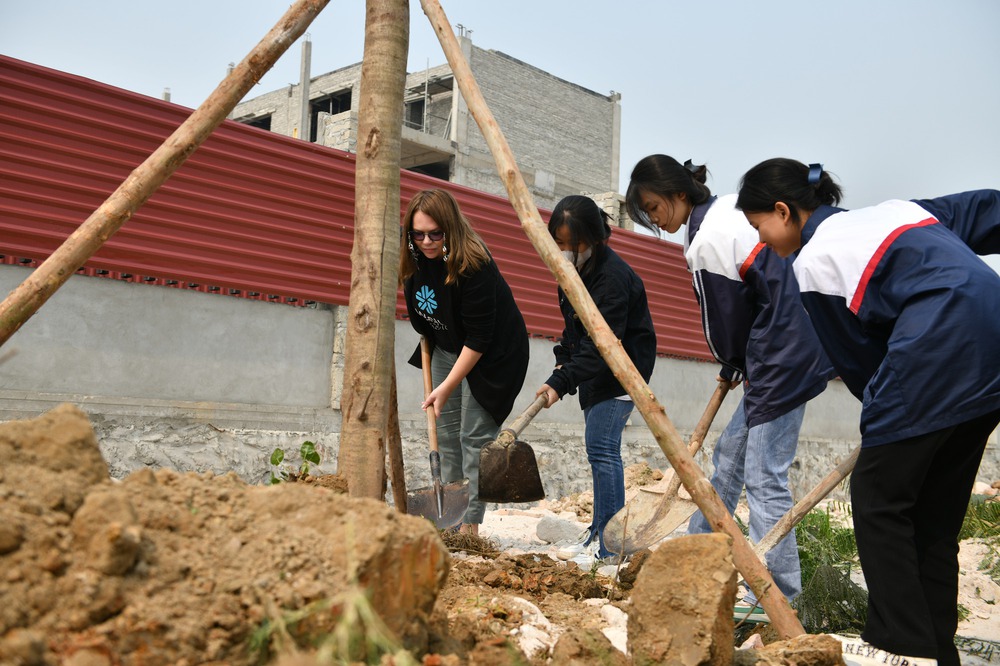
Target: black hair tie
x,y
815,171
690,166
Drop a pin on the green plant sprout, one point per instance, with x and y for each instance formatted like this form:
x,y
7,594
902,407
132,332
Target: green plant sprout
x,y
279,472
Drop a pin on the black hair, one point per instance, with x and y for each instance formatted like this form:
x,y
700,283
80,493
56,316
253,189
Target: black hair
x,y
586,221
788,181
663,175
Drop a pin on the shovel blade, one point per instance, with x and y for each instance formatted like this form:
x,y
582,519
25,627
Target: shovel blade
x,y
454,498
509,473
645,521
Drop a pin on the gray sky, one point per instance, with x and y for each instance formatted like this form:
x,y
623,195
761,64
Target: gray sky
x,y
898,98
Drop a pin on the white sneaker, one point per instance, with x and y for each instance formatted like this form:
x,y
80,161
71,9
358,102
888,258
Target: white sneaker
x,y
610,560
583,541
857,652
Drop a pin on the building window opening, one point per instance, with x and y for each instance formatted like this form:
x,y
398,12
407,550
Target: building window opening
x,y
262,122
440,170
414,115
333,104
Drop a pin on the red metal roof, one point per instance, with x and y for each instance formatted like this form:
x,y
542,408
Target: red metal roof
x,y
250,213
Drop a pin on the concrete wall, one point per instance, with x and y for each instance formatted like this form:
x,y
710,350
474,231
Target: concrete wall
x,y
201,382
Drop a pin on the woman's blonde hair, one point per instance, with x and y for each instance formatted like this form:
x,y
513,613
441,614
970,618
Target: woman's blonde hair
x,y
466,250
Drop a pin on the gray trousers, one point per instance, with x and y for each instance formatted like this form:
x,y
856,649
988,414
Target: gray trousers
x,y
463,428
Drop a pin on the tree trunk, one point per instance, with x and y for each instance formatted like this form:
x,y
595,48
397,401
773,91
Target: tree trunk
x,y
756,574
31,294
369,354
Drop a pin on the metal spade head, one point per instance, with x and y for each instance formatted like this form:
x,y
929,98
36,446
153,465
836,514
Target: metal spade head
x,y
508,472
648,519
444,505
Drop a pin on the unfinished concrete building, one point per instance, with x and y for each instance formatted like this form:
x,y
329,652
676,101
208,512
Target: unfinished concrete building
x,y
565,137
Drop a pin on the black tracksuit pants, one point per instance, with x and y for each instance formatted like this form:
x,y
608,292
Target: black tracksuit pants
x,y
909,499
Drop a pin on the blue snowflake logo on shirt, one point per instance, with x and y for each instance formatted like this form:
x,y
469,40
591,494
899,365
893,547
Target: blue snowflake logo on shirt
x,y
426,299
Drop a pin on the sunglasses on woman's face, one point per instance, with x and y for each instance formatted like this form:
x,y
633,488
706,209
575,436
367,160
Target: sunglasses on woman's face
x,y
433,235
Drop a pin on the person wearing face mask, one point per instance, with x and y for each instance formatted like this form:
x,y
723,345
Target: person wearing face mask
x,y
457,299
757,329
580,229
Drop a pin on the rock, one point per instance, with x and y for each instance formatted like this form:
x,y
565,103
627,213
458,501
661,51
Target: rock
x,y
628,574
980,488
584,647
682,603
807,650
551,529
617,629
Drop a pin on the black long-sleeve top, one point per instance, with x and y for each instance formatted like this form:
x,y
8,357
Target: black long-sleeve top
x,y
478,311
620,297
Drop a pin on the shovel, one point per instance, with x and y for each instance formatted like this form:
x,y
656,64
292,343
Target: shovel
x,y
442,504
508,471
656,512
784,526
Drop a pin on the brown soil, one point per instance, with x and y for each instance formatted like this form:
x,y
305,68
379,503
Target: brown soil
x,y
172,568
183,568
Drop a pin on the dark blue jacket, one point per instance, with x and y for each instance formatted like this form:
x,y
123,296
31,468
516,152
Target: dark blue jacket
x,y
751,313
621,299
908,313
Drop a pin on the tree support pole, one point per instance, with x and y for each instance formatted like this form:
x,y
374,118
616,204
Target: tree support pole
x,y
782,616
116,210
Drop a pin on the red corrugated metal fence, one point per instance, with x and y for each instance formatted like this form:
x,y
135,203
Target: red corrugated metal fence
x,y
251,213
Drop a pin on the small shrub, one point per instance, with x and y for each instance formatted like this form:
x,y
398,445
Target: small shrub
x,y
830,601
279,471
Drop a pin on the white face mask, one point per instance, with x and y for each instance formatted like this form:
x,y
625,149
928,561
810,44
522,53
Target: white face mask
x,y
581,258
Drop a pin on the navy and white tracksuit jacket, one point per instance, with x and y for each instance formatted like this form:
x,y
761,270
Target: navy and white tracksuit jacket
x,y
751,312
908,313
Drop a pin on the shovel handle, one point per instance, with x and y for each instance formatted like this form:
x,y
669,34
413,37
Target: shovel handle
x,y
425,364
522,421
784,526
700,430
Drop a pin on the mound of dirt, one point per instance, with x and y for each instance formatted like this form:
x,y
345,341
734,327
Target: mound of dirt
x,y
169,568
172,568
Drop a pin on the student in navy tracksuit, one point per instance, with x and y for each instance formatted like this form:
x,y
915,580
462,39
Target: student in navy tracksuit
x,y
910,317
580,229
755,326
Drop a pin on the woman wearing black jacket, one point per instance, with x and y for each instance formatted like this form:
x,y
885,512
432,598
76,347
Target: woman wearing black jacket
x,y
458,300
581,230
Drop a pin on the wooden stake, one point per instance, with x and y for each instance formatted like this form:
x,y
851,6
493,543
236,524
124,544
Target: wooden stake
x,y
775,604
394,442
31,294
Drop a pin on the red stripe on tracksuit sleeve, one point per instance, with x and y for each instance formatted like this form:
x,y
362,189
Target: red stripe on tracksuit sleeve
x,y
749,260
859,293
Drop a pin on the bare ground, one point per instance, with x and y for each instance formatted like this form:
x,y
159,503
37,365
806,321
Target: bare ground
x,y
171,568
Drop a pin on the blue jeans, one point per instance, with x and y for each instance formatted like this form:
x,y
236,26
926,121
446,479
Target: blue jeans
x,y
605,423
463,428
759,458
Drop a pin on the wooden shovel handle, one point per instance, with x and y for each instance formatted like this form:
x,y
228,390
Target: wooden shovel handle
x,y
425,364
522,421
782,528
700,430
